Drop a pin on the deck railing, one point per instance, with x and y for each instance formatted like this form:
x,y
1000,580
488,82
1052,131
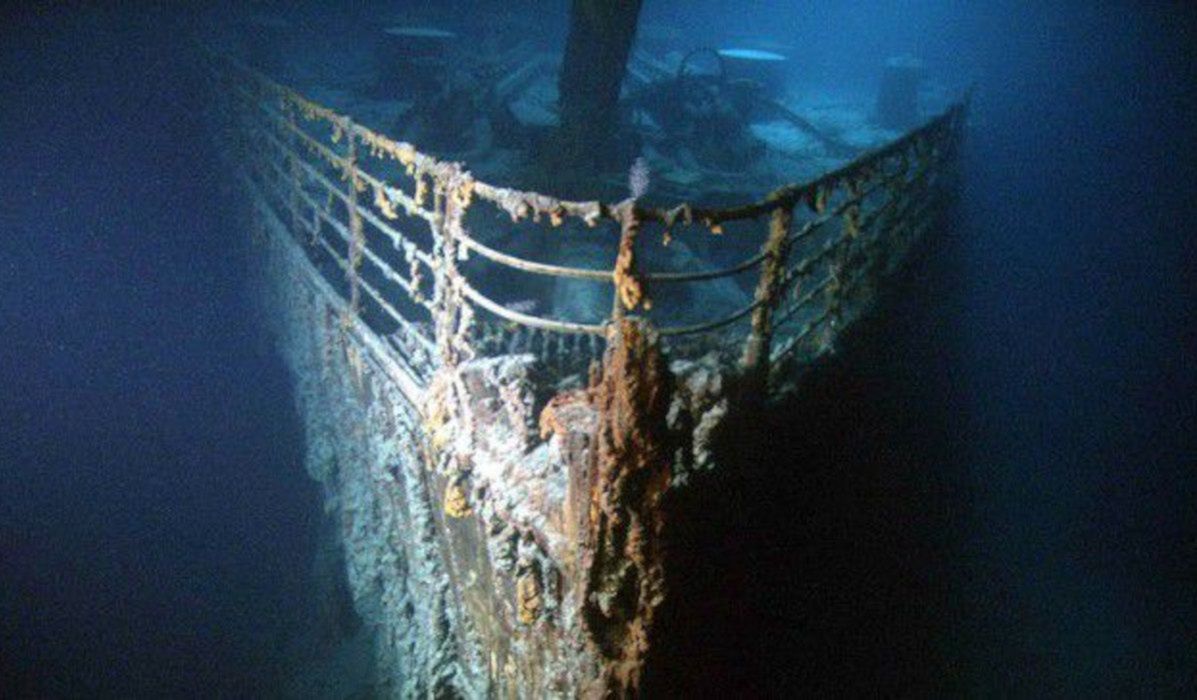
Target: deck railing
x,y
386,225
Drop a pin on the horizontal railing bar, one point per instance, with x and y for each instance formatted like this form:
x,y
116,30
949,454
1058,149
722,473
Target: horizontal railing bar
x,y
361,282
538,268
368,136
787,195
603,276
789,310
791,195
739,267
600,275
803,266
712,325
412,389
848,186
552,325
810,261
524,319
792,341
397,238
409,205
389,272
398,317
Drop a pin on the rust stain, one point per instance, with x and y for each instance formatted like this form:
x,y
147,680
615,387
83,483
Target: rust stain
x,y
622,561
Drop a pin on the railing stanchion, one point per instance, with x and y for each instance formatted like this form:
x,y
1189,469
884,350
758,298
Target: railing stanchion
x,y
629,289
260,107
756,347
356,234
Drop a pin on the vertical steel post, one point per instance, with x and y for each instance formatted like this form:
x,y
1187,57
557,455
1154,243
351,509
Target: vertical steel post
x,y
293,141
355,220
756,347
629,288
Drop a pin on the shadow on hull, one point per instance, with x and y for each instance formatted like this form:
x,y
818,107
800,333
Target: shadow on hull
x,y
821,555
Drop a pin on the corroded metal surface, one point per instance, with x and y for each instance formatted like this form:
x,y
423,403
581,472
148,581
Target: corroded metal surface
x,y
497,476
620,536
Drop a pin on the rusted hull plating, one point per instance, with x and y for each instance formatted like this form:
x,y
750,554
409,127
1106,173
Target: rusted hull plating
x,y
502,530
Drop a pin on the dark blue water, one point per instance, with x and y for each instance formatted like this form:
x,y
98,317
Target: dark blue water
x,y
156,526
154,514
1079,353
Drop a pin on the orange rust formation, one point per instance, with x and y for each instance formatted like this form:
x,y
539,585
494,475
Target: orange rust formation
x,y
489,562
629,287
628,478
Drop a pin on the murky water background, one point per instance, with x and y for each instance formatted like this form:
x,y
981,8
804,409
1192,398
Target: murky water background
x,y
1002,485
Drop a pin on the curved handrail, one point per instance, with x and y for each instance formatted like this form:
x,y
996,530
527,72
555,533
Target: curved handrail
x,y
597,275
712,325
845,195
534,202
532,266
524,319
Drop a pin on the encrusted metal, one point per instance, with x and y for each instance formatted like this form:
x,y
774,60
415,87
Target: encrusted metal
x,y
497,473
